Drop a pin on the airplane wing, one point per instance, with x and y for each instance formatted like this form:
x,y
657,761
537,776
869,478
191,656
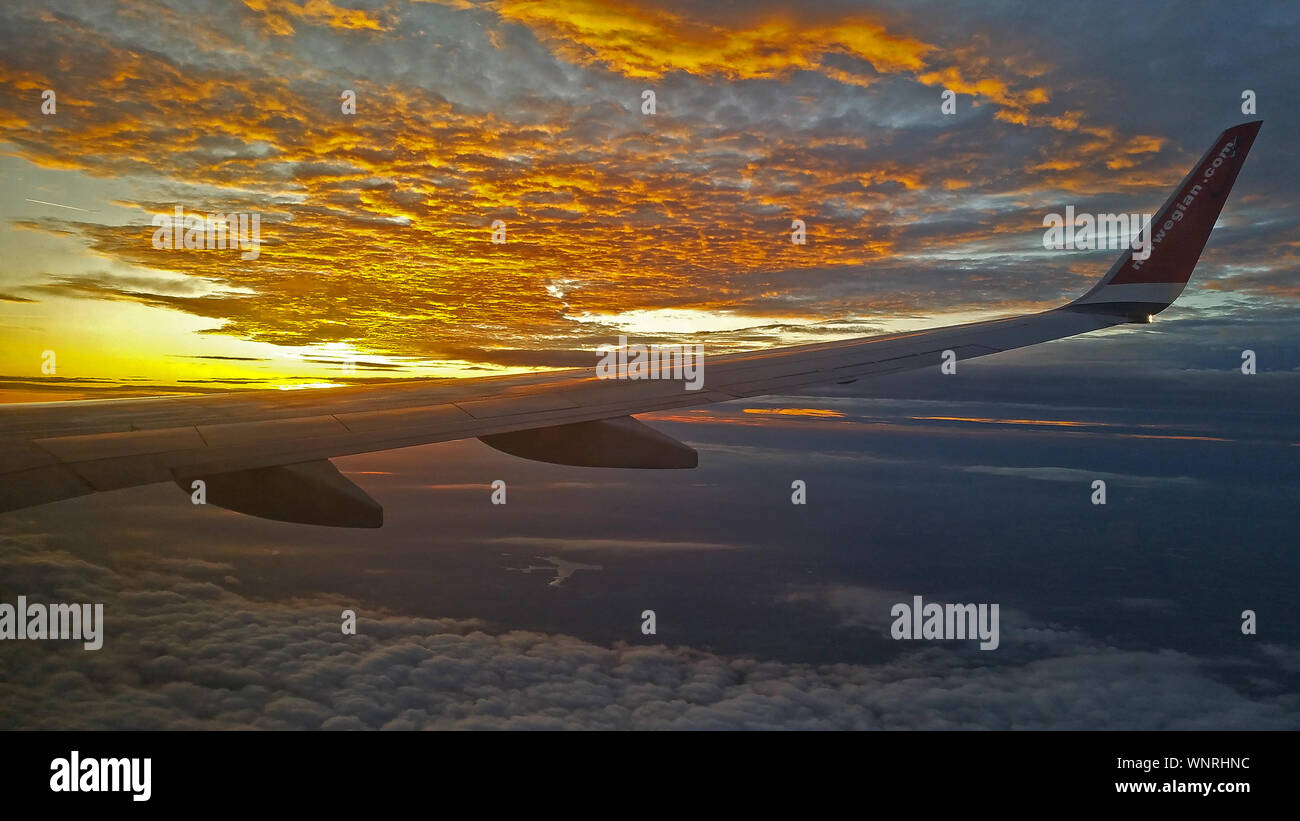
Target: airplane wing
x,y
266,453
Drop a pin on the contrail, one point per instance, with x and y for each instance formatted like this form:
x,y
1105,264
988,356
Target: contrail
x,y
56,205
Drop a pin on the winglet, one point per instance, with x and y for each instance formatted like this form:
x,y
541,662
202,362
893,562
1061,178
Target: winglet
x,y
1138,288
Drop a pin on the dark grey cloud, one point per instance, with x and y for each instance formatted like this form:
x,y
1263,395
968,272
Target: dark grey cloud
x,y
185,651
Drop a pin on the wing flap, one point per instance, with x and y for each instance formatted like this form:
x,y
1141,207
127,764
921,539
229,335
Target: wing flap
x,y
412,420
275,430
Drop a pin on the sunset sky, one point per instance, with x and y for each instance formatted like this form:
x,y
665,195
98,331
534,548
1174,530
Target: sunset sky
x,y
376,227
376,235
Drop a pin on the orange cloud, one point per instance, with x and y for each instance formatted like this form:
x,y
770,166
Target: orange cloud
x,y
279,15
642,42
814,412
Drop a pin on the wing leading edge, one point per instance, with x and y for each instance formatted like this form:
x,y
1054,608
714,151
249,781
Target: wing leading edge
x,y
266,452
